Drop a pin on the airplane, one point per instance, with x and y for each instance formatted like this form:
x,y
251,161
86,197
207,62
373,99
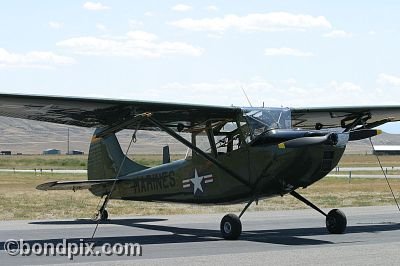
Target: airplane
x,y
252,153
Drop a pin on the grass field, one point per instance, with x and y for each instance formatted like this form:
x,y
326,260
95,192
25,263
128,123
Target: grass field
x,y
68,161
368,160
80,161
20,200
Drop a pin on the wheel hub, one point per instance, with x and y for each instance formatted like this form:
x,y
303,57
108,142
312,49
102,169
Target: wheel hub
x,y
227,227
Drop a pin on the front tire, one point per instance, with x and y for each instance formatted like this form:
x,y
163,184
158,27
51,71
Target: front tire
x,y
231,227
336,222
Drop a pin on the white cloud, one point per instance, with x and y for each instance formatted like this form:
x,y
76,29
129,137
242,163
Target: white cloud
x,y
387,79
274,21
149,14
95,6
212,8
133,44
212,92
35,59
285,51
273,93
142,35
55,25
344,86
101,27
181,8
337,34
371,32
133,23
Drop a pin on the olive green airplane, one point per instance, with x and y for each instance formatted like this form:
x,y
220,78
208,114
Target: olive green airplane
x,y
248,154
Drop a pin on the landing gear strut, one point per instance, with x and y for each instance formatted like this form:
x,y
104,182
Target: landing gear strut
x,y
231,226
102,213
336,221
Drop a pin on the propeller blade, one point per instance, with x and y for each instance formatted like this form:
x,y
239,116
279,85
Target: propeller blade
x,y
363,134
310,141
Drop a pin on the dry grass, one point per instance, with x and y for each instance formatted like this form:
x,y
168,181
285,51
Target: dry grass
x,y
368,160
80,161
69,161
20,200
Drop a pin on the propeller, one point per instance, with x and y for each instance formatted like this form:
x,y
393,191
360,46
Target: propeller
x,y
363,134
331,139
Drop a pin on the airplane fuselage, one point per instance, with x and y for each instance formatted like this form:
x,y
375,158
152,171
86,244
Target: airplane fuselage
x,y
269,170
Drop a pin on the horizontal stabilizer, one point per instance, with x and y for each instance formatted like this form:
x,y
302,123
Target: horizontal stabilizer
x,y
73,185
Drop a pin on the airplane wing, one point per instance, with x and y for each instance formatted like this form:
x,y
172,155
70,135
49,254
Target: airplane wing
x,y
91,112
344,117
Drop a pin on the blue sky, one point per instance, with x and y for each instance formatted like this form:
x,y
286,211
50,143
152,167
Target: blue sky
x,y
283,53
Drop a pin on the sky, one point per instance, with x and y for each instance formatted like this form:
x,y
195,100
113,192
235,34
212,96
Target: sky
x,y
282,53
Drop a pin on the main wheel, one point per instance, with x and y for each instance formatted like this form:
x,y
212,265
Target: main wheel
x,y
336,222
231,227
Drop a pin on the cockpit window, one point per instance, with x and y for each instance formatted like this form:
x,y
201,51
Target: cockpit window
x,y
260,120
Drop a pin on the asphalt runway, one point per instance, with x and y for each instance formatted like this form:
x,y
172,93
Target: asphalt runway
x,y
275,237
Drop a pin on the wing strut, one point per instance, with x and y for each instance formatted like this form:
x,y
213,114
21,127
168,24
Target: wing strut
x,y
384,174
198,151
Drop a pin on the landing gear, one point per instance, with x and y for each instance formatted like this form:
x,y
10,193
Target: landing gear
x,y
231,227
336,221
102,213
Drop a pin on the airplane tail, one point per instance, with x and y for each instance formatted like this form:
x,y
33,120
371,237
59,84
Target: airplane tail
x,y
106,157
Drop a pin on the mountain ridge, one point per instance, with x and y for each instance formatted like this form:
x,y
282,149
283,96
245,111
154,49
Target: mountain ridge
x,y
32,137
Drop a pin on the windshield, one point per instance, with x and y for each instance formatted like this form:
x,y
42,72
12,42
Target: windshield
x,y
262,119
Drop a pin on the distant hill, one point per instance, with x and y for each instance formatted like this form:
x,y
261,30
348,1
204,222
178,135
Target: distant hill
x,y
364,146
32,137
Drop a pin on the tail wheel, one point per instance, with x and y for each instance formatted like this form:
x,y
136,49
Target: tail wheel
x,y
336,222
231,227
104,215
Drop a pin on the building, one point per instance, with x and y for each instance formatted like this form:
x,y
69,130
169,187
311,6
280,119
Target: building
x,y
387,149
5,152
51,152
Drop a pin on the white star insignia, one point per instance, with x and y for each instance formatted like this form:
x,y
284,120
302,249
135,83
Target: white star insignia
x,y
196,180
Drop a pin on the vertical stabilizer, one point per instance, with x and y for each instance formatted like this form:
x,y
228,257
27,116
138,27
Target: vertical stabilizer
x,y
106,157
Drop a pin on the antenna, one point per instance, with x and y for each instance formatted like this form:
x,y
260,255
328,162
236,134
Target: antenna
x,y
248,100
68,142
